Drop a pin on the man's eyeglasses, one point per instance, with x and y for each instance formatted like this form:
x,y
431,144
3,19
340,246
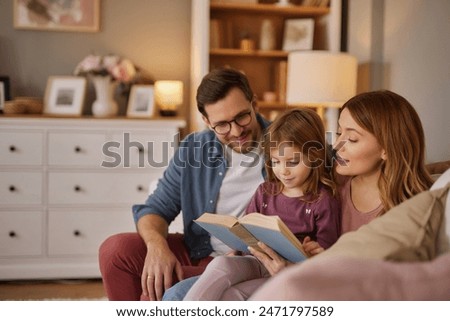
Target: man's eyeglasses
x,y
242,120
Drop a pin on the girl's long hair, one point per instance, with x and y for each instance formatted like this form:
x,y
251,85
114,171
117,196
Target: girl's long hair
x,y
397,127
301,128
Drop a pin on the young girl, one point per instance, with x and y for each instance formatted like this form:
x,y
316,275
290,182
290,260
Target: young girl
x,y
380,159
298,189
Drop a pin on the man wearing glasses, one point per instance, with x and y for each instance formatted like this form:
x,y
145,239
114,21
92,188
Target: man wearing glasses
x,y
216,171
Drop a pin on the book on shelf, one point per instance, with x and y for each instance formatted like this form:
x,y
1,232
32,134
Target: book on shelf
x,y
248,230
215,34
281,80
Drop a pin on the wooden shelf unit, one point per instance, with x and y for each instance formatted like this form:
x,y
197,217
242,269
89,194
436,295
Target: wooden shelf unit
x,y
238,21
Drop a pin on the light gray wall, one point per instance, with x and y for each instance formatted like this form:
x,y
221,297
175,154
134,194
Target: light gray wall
x,y
154,34
406,43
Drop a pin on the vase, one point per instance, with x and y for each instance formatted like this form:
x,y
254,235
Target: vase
x,y
267,37
104,104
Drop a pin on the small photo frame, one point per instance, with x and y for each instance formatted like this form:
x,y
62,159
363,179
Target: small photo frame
x,y
141,102
4,91
64,95
68,15
298,34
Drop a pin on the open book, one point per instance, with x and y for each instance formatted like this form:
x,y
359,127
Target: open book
x,y
251,228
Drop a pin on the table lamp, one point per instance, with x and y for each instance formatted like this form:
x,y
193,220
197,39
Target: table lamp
x,y
168,95
323,80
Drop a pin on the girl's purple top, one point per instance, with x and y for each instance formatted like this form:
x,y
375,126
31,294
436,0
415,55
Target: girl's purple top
x,y
319,219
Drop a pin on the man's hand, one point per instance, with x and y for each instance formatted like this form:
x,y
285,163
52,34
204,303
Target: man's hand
x,y
270,259
160,263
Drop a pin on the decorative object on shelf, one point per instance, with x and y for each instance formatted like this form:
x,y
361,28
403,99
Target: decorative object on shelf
x,y
120,69
31,105
104,104
247,44
4,91
168,95
10,107
321,79
298,34
141,102
283,3
106,72
80,15
267,37
269,96
64,95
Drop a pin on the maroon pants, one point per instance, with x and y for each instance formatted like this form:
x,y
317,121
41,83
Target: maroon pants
x,y
121,259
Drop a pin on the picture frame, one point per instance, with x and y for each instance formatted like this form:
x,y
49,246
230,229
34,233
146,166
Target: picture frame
x,y
142,101
64,95
298,34
4,91
68,15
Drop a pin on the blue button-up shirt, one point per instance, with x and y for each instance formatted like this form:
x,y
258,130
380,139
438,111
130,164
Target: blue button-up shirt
x,y
191,184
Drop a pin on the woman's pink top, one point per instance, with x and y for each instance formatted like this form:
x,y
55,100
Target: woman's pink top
x,y
352,219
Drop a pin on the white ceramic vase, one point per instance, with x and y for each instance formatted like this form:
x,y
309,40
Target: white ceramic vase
x,y
267,37
104,104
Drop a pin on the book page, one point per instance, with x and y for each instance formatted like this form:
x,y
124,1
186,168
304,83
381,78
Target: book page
x,y
241,232
218,219
266,221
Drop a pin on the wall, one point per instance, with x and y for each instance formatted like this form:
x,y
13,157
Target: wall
x,y
403,46
154,34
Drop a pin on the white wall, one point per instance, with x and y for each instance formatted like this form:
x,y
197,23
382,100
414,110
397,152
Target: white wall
x,y
414,48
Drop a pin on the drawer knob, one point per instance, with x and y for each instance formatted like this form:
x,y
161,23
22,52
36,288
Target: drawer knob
x,y
77,188
12,234
140,188
12,148
76,233
12,188
77,149
140,149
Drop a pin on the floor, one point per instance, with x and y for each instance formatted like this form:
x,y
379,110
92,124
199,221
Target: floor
x,y
52,290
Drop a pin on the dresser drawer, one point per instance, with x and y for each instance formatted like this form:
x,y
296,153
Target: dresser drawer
x,y
20,233
21,148
76,149
23,188
82,232
106,188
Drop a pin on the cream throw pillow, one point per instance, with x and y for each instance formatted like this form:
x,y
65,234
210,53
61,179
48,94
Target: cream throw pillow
x,y
407,232
443,243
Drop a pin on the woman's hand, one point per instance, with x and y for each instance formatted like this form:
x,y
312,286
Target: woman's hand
x,y
270,259
311,247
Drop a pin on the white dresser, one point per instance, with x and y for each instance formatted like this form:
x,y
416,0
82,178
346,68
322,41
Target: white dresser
x,y
67,184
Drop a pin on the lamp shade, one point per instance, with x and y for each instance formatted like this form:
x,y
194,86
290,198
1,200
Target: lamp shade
x,y
169,93
320,78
